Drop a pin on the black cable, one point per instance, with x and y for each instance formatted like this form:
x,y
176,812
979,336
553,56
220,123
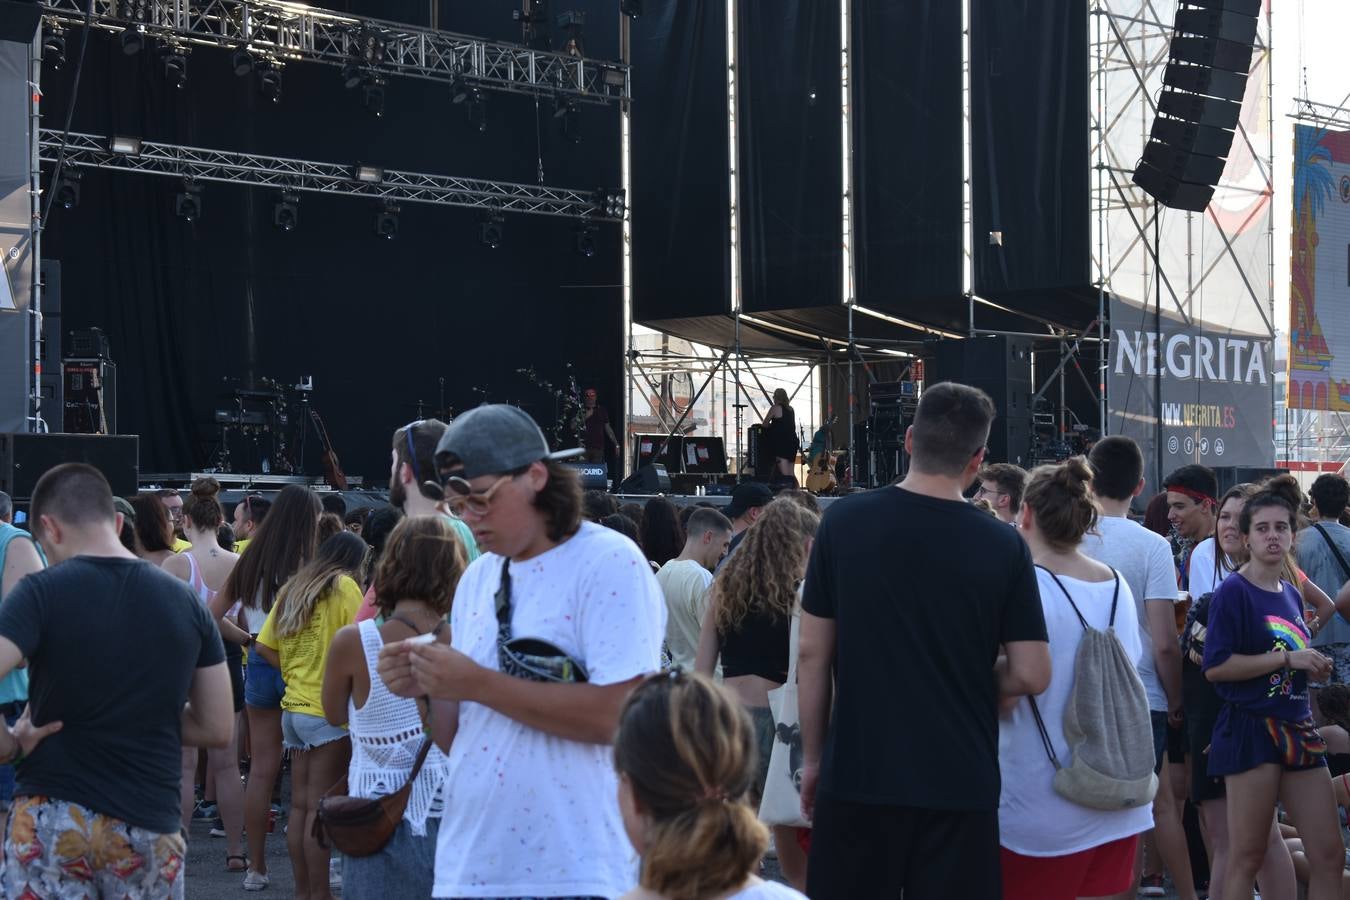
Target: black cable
x,y
70,113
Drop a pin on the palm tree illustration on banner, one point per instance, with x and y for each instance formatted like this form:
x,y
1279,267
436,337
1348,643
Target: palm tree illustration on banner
x,y
1309,357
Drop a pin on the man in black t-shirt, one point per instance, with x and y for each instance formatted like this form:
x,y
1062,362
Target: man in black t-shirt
x,y
125,668
919,613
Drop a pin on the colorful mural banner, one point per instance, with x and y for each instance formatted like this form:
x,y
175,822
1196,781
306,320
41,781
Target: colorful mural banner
x,y
1319,290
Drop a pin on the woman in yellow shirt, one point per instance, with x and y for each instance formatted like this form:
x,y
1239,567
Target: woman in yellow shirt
x,y
310,608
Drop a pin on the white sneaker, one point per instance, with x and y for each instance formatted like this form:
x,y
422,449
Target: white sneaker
x,y
255,881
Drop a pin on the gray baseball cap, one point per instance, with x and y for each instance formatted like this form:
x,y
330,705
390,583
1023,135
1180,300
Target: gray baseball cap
x,y
496,438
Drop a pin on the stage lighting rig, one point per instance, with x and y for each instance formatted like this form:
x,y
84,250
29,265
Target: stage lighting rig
x,y
286,212
459,88
132,39
241,60
352,76
477,109
586,232
269,78
372,95
54,47
188,203
609,203
490,228
68,189
386,220
125,146
369,174
174,59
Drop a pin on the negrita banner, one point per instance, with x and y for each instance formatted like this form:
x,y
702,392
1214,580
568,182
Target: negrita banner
x,y
1216,389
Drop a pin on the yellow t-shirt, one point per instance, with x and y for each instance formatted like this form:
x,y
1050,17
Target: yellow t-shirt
x,y
241,545
179,545
304,655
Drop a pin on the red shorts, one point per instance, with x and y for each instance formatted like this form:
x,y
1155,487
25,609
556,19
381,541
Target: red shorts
x,y
1094,872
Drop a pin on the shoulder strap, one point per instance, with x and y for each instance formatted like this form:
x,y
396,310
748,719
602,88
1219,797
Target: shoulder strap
x,y
1345,567
1045,735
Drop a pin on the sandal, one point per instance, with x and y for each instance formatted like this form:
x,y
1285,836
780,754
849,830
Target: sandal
x,y
230,859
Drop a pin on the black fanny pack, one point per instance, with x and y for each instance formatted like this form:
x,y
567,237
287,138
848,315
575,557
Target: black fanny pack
x,y
532,659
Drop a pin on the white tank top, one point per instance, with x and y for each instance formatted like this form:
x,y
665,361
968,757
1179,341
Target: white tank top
x,y
386,735
204,593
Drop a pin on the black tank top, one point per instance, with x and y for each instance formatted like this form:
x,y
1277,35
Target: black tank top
x,y
758,647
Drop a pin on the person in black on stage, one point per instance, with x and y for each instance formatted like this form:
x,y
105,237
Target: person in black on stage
x,y
599,434
780,436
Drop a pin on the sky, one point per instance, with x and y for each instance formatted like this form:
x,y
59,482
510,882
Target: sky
x,y
1308,47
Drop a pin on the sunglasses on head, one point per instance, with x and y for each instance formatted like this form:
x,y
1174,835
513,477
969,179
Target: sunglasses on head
x,y
429,487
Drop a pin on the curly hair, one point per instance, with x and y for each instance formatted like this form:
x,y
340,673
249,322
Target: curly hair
x,y
423,560
762,574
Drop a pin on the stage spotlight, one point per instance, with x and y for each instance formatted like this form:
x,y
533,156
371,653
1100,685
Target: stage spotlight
x,y
386,220
369,174
175,64
269,79
631,8
286,212
352,76
125,146
477,109
609,203
586,239
132,40
459,88
188,203
490,228
54,48
372,95
68,189
242,61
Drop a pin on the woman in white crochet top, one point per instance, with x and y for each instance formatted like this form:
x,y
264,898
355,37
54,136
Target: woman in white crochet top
x,y
414,585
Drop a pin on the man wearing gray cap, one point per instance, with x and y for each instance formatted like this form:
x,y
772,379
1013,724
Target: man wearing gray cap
x,y
550,630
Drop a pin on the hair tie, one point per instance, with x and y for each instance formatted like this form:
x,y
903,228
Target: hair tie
x,y
713,794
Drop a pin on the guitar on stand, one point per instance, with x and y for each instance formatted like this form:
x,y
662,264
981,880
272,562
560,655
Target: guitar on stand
x,y
332,467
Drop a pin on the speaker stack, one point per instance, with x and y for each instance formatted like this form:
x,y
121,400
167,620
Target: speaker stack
x,y
1201,100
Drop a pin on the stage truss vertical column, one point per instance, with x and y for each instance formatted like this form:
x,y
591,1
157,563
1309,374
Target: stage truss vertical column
x,y
34,370
845,83
626,164
734,249
967,166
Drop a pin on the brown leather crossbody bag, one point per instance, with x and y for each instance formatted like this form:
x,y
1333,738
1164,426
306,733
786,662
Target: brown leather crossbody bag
x,y
361,826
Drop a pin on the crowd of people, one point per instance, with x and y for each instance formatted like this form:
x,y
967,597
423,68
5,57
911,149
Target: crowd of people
x,y
978,682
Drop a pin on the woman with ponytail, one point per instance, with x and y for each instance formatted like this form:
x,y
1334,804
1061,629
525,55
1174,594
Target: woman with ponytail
x,y
685,754
1052,848
206,567
310,609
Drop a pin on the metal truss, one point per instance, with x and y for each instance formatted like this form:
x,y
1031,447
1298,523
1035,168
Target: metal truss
x,y
293,31
196,164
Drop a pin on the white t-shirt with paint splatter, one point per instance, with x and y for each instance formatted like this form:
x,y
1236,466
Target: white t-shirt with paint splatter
x,y
529,814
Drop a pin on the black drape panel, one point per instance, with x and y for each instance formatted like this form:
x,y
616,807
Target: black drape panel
x,y
791,179
681,196
906,60
377,323
1030,149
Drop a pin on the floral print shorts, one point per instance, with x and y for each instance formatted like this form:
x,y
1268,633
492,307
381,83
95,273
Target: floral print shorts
x,y
55,850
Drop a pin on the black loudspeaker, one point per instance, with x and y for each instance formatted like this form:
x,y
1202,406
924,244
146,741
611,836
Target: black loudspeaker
x,y
650,479
1201,102
1228,476
1000,366
24,457
594,475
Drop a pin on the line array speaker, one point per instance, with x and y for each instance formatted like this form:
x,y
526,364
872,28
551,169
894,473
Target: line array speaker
x,y
1201,101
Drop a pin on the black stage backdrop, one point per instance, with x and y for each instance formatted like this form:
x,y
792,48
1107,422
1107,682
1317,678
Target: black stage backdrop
x,y
907,158
188,307
1029,151
681,195
791,178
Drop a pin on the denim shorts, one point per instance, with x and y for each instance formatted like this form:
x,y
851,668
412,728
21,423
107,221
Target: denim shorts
x,y
404,868
263,686
301,731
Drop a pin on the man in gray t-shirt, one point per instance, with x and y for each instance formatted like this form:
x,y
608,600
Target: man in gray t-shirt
x,y
1330,495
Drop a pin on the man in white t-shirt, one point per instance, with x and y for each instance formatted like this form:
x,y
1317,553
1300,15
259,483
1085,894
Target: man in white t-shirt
x,y
685,581
531,805
1144,560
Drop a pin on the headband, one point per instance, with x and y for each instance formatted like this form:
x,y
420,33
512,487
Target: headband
x,y
1197,496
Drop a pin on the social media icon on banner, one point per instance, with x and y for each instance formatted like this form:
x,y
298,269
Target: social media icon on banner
x,y
1190,445
1204,446
1173,445
1218,446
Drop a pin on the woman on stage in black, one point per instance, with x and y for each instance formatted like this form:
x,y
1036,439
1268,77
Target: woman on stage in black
x,y
780,435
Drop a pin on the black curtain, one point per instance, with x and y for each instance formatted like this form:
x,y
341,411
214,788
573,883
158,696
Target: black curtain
x,y
195,310
1030,149
791,156
681,196
907,158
